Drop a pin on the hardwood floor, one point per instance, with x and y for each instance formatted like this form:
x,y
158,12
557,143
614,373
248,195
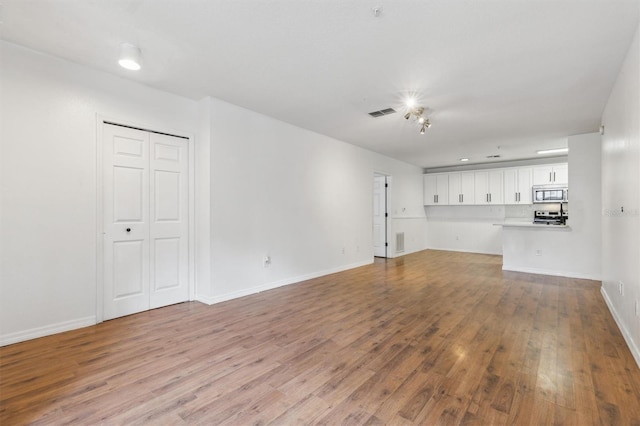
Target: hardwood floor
x,y
430,338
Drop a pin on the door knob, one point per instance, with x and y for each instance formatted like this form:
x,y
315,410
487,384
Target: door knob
x,y
128,229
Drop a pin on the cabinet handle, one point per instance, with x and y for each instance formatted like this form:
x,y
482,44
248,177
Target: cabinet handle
x,y
462,198
554,176
437,198
550,177
489,197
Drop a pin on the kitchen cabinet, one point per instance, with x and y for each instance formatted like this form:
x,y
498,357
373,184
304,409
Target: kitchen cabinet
x,y
493,186
488,186
517,185
461,188
551,174
436,189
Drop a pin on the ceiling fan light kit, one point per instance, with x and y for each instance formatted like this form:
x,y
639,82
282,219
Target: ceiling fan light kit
x,y
418,113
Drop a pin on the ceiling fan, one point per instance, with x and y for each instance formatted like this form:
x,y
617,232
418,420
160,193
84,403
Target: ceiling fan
x,y
423,121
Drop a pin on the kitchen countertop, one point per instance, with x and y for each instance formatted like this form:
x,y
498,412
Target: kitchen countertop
x,y
519,223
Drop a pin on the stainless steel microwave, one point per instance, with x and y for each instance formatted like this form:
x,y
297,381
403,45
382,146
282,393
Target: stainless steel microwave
x,y
550,194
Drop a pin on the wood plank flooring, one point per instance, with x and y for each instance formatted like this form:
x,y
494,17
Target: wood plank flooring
x,y
430,338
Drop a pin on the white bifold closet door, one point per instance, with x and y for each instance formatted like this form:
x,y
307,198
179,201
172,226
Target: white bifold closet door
x,y
146,199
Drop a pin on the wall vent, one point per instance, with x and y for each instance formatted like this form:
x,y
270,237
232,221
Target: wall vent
x,y
382,112
493,156
399,242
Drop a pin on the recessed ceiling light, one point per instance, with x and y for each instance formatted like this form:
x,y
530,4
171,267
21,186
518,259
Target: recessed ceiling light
x,y
553,151
129,57
464,159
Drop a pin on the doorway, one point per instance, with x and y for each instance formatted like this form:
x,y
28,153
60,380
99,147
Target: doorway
x,y
145,220
380,244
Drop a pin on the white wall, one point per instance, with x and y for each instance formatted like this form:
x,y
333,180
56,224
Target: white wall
x,y
575,252
621,191
299,197
203,199
48,177
465,228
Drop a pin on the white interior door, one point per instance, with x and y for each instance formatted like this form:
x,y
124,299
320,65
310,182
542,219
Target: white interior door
x,y
379,216
145,220
169,227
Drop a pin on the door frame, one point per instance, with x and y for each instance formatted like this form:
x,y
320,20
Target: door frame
x,y
154,128
387,187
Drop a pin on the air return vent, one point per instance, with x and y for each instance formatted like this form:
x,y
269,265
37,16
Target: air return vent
x,y
493,156
400,242
382,112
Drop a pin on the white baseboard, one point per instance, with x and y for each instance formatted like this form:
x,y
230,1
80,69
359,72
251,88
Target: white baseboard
x,y
625,333
463,250
46,330
269,286
540,271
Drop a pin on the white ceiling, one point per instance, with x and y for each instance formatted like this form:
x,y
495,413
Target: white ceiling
x,y
503,77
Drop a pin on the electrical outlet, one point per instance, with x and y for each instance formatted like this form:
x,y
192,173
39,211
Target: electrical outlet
x,y
621,288
343,250
267,261
637,308
538,252
457,238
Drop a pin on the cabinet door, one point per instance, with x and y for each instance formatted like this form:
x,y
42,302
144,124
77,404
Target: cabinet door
x,y
467,188
495,182
430,189
552,174
542,175
442,186
524,185
561,174
511,186
482,187
454,188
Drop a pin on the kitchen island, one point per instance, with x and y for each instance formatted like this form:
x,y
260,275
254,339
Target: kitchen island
x,y
541,249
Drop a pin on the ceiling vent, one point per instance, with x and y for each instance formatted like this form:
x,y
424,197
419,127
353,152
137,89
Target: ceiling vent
x,y
382,112
493,156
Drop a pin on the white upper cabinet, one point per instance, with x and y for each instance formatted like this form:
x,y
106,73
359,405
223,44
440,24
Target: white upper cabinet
x,y
461,188
517,185
551,174
436,189
561,173
489,187
495,186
